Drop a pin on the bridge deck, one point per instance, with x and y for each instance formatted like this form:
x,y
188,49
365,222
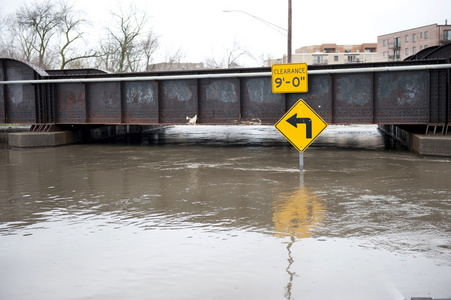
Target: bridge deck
x,y
358,94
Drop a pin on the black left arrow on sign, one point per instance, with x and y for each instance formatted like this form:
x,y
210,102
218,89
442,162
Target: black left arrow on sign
x,y
294,120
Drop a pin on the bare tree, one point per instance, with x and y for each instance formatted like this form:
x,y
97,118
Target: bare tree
x,y
51,34
172,58
264,60
3,49
107,52
133,58
149,46
70,28
123,39
45,34
17,40
230,58
40,22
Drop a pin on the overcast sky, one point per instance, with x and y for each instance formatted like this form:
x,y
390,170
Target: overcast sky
x,y
201,28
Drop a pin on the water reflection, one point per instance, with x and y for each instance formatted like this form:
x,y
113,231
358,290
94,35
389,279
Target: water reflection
x,y
296,213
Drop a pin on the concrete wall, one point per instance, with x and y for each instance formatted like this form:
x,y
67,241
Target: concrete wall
x,y
426,145
31,139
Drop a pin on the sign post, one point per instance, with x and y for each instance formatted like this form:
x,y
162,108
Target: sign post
x,y
301,161
300,125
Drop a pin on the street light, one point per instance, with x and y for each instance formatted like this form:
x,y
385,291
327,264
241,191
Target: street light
x,y
267,23
277,28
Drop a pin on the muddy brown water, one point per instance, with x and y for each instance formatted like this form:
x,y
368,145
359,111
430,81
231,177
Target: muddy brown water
x,y
212,212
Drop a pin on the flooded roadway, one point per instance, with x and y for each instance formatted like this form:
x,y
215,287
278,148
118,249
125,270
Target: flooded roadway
x,y
211,212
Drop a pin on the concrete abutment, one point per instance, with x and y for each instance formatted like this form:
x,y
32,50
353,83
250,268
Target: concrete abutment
x,y
71,135
426,145
413,137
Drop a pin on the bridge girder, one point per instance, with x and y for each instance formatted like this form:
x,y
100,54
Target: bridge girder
x,y
401,97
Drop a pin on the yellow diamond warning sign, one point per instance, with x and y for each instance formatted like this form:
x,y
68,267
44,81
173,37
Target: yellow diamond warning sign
x,y
301,125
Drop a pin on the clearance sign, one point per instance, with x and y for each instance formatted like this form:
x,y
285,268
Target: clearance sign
x,y
300,125
289,78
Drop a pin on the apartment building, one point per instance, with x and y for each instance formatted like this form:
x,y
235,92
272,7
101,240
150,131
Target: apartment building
x,y
402,44
338,54
334,48
329,54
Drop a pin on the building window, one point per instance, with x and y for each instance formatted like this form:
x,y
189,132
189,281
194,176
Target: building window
x,y
385,54
397,54
421,35
407,38
385,42
426,34
319,60
338,50
336,57
352,59
447,35
414,38
414,50
397,42
425,46
407,51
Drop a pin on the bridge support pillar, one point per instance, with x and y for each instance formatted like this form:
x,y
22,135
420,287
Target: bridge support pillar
x,y
31,139
426,145
73,135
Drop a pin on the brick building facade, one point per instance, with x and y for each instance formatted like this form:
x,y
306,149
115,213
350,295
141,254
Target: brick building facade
x,y
389,47
402,44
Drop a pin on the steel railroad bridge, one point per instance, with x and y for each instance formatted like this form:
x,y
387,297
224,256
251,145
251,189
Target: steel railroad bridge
x,y
411,92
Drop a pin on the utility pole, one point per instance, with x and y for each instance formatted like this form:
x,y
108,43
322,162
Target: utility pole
x,y
289,32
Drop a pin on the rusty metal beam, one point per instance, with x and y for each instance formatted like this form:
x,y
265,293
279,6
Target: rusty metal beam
x,y
228,75
405,93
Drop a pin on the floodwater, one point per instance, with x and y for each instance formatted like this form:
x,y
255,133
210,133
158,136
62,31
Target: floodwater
x,y
212,212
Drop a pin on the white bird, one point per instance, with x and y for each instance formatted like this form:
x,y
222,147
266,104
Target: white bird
x,y
191,121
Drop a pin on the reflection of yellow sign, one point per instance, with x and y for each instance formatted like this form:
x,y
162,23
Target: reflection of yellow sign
x,y
301,125
296,213
289,78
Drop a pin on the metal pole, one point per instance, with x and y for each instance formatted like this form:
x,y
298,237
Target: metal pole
x,y
301,161
301,169
269,24
289,32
